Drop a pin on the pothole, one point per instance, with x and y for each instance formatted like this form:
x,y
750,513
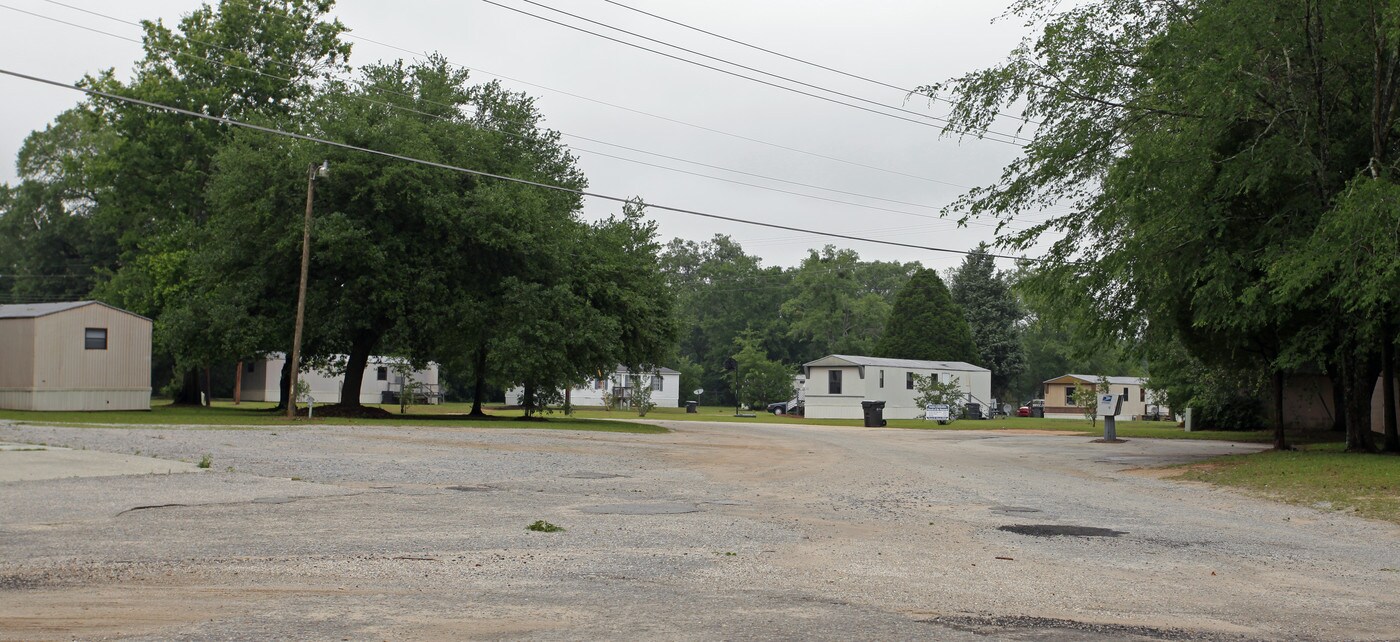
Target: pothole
x,y
663,508
1060,530
592,475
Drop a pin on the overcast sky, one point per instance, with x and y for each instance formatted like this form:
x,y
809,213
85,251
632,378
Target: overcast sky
x,y
900,42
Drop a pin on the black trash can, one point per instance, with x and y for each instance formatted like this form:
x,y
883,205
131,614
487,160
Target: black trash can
x,y
1038,411
874,413
692,407
974,411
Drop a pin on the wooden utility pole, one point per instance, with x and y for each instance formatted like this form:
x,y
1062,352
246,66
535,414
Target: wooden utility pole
x,y
301,292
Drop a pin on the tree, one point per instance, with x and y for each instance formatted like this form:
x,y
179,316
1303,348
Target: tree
x,y
994,315
926,324
1200,147
761,380
931,390
831,310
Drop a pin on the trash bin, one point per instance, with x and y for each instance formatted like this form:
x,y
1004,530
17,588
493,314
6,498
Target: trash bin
x,y
874,413
1038,411
692,407
973,411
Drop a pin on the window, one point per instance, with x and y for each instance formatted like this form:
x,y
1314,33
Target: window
x,y
251,367
1125,394
382,373
598,383
882,378
1069,395
833,382
657,382
95,339
1142,394
909,380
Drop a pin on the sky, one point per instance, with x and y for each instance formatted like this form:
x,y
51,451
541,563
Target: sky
x,y
904,43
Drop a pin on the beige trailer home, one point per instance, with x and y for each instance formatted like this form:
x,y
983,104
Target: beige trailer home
x,y
80,355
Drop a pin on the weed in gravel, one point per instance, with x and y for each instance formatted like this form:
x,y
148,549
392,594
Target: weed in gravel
x,y
206,461
541,526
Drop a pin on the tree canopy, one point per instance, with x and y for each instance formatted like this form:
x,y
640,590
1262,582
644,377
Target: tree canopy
x,y
925,323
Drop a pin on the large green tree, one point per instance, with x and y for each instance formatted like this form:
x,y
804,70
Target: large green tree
x,y
995,316
1202,148
925,323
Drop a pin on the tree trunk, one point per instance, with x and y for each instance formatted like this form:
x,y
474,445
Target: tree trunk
x,y
527,400
1280,439
1359,385
286,380
238,385
360,347
188,394
480,388
568,401
1392,438
1339,402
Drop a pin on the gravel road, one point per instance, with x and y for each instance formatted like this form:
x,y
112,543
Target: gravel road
x,y
712,531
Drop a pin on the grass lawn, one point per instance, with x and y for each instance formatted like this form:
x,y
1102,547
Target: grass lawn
x,y
258,415
1126,429
1319,475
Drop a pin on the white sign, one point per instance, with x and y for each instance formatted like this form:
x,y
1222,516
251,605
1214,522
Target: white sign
x,y
936,412
1108,405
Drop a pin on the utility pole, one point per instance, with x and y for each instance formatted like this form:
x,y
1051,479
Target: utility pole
x,y
311,173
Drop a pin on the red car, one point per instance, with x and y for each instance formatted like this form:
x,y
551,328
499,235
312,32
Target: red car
x,y
1024,411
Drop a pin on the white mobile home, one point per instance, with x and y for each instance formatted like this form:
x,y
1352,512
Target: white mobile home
x,y
665,385
80,355
261,379
836,384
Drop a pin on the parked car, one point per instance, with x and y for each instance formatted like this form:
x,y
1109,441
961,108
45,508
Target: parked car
x,y
789,407
1023,411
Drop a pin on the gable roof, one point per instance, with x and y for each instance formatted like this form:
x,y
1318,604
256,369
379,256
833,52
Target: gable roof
x,y
1114,381
913,364
35,310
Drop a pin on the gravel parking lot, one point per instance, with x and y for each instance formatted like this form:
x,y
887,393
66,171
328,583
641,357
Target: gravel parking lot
x,y
713,531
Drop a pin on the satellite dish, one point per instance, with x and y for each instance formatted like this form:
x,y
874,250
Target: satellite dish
x,y
699,391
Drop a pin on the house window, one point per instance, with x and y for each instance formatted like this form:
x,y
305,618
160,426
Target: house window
x,y
1142,394
95,339
657,382
909,380
1069,395
382,373
251,367
598,383
1125,393
882,378
833,382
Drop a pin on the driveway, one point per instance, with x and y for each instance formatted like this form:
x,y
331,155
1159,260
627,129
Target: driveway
x,y
713,531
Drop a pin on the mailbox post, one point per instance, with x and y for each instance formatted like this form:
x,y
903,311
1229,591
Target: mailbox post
x,y
1109,407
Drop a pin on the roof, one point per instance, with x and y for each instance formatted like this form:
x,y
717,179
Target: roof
x,y
852,360
1115,381
658,370
35,310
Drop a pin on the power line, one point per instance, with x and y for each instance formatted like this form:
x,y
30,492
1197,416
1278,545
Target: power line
x,y
746,67
508,133
639,112
558,188
799,60
981,136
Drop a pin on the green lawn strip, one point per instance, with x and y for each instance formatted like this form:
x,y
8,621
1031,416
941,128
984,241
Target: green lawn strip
x,y
1319,475
224,415
1081,427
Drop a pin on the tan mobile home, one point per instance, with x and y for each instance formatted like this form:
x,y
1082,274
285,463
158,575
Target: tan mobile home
x,y
1063,393
80,355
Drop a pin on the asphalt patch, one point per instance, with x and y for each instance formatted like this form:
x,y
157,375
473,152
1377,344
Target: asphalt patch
x,y
472,489
1060,530
663,508
1019,627
592,475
